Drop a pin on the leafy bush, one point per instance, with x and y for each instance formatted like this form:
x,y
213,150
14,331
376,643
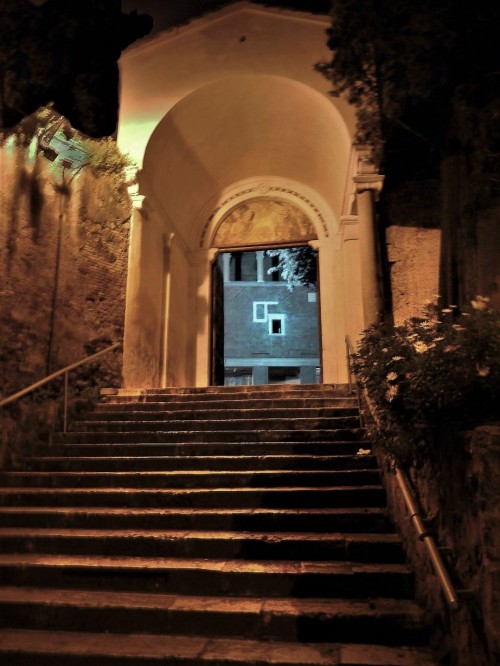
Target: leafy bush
x,y
435,374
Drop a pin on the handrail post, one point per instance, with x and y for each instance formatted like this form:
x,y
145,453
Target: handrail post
x,y
348,358
65,417
350,350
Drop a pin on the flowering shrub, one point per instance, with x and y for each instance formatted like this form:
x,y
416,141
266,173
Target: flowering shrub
x,y
434,373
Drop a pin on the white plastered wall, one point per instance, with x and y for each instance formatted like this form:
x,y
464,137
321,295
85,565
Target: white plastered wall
x,y
210,116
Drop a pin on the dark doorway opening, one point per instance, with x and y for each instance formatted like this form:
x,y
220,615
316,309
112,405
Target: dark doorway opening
x,y
265,317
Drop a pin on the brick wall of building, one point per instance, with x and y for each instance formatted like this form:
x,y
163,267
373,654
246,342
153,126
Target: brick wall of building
x,y
246,338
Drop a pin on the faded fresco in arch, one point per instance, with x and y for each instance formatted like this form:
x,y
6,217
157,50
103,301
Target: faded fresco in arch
x,y
262,221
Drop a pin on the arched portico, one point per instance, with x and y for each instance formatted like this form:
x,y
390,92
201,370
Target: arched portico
x,y
234,140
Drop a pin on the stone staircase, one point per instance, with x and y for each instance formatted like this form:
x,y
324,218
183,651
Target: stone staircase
x,y
221,526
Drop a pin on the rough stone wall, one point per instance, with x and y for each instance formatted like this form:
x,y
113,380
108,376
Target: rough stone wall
x,y
63,265
460,499
487,266
411,215
413,255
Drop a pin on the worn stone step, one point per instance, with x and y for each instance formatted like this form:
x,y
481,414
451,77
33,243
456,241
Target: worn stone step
x,y
286,497
26,647
219,424
213,463
214,576
236,392
229,403
387,621
321,520
133,447
206,543
218,414
191,479
212,436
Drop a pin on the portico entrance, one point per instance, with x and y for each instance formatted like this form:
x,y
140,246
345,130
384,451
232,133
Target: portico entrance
x,y
189,209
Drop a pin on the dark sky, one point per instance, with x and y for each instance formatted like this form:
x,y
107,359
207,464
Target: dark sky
x,y
65,52
167,13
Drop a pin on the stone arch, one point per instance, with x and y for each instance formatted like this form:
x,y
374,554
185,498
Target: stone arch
x,y
252,136
296,195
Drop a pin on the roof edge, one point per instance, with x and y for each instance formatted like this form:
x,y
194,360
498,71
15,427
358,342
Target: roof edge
x,y
239,6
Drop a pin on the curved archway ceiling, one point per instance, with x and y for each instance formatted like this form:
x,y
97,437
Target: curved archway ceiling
x,y
263,221
244,127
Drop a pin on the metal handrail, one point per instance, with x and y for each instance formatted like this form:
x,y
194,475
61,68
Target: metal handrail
x,y
63,371
350,375
411,504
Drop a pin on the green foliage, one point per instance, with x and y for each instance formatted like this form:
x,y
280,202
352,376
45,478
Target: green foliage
x,y
297,266
435,373
105,159
426,71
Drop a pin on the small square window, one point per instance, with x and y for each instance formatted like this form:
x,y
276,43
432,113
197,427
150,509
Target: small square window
x,y
277,324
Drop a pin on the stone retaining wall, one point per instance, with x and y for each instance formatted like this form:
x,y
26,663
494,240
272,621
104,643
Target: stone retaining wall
x,y
460,499
63,266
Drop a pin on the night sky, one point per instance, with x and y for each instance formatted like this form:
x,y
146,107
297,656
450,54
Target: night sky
x,y
167,13
64,53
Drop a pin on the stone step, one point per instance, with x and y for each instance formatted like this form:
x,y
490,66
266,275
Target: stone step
x,y
271,578
212,463
188,404
276,424
249,498
145,434
190,479
229,525
340,519
236,392
388,621
137,413
358,547
130,446
58,648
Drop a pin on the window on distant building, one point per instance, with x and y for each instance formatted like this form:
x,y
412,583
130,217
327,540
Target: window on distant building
x,y
260,309
276,324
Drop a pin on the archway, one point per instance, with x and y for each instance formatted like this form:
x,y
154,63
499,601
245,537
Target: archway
x,y
264,315
237,140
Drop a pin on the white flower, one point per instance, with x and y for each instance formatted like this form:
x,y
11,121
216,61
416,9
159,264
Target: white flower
x,y
385,350
480,302
398,358
420,347
482,371
392,376
364,452
391,393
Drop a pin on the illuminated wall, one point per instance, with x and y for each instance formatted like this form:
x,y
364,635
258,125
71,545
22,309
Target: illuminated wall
x,y
222,111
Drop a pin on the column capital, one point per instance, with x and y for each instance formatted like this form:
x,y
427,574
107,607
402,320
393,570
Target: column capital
x,y
136,198
369,182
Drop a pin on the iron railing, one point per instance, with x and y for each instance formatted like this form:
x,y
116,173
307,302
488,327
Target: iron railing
x,y
63,371
410,501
